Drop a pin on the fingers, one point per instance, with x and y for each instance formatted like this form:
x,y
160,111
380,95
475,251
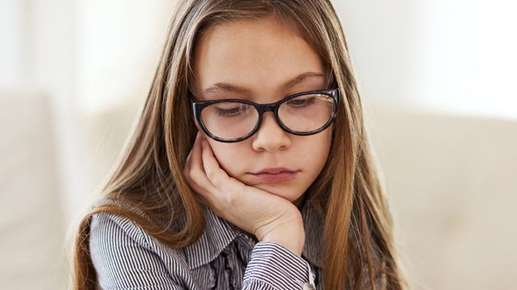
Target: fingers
x,y
211,166
208,178
196,173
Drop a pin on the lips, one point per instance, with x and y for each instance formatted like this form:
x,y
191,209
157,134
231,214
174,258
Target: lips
x,y
275,170
279,177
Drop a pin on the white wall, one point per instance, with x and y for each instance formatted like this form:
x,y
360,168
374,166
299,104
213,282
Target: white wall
x,y
13,48
445,56
119,45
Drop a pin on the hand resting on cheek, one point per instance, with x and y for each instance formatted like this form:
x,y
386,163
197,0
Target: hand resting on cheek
x,y
261,213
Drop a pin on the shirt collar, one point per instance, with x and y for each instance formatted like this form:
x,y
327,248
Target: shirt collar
x,y
219,233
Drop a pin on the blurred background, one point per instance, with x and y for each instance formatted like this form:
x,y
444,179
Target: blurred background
x,y
438,86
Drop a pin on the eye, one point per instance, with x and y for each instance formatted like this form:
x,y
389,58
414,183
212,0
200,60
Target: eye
x,y
302,101
231,109
227,112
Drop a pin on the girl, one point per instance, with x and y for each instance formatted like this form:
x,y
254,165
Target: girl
x,y
250,165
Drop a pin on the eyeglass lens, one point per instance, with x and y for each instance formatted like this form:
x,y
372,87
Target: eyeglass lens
x,y
304,113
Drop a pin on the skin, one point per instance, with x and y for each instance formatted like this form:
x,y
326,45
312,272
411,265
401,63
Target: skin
x,y
261,56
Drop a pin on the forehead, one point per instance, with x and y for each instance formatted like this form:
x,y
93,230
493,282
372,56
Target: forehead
x,y
259,55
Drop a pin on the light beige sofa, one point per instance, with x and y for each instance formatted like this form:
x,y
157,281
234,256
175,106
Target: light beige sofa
x,y
452,182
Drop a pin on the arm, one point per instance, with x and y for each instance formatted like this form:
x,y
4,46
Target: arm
x,y
274,267
276,261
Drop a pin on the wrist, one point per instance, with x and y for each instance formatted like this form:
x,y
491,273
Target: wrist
x,y
294,245
291,237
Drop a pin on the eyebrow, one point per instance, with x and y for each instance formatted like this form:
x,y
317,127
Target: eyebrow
x,y
245,91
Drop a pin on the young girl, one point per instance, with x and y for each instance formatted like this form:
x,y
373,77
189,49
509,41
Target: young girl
x,y
250,165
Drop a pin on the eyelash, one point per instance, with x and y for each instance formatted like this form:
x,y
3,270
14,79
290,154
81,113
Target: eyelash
x,y
228,112
231,111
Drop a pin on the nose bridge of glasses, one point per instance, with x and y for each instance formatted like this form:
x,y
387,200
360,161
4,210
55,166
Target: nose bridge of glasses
x,y
263,120
262,108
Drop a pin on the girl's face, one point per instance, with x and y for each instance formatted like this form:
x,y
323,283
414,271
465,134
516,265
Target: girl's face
x,y
260,57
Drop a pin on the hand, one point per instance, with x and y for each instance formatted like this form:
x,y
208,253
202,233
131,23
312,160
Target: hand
x,y
261,213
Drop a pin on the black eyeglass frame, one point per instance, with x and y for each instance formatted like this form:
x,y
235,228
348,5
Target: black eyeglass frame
x,y
198,106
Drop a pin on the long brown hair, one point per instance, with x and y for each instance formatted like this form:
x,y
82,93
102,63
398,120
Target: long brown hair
x,y
359,246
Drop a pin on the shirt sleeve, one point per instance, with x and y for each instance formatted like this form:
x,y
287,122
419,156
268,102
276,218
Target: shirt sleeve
x,y
122,259
274,267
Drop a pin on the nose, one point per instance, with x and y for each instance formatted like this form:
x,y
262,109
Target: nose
x,y
270,136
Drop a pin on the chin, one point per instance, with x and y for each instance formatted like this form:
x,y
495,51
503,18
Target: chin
x,y
281,191
286,191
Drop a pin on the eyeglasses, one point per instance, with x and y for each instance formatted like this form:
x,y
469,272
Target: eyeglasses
x,y
234,120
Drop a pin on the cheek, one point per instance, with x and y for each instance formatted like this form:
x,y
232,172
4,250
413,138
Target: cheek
x,y
319,146
227,156
315,155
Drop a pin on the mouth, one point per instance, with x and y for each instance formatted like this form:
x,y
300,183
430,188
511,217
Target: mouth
x,y
274,171
275,176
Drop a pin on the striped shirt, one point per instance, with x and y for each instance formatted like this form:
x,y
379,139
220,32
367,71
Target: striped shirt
x,y
224,257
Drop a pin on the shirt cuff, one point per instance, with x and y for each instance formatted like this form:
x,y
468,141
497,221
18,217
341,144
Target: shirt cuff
x,y
277,266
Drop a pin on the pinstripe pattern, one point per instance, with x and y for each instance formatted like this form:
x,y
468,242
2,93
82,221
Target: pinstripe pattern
x,y
224,257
